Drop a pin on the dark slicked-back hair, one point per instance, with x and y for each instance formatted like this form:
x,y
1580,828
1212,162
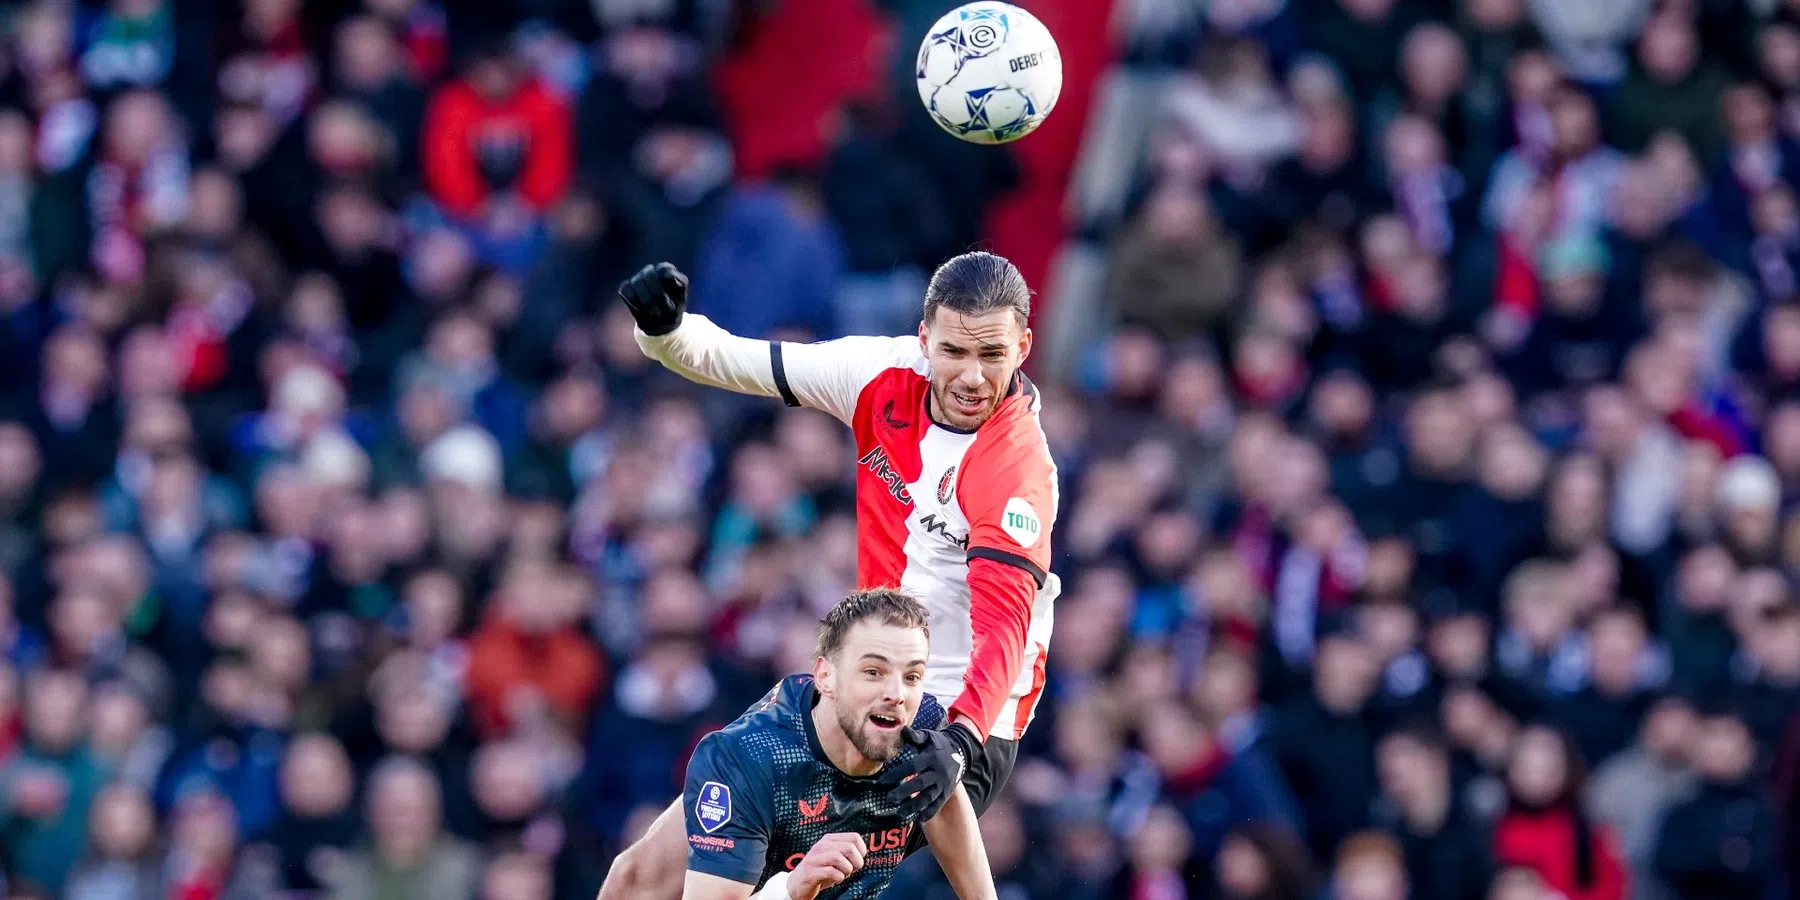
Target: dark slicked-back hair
x,y
881,605
976,284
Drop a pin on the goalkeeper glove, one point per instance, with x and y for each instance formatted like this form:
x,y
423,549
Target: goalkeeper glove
x,y
657,298
925,783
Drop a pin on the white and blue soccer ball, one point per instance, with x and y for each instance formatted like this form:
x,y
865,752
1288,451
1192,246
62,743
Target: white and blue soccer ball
x,y
989,72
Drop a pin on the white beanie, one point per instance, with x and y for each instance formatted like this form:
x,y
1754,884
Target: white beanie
x,y
465,455
333,459
308,390
1749,481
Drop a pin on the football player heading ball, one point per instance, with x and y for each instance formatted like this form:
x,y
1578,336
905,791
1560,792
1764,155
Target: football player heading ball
x,y
956,499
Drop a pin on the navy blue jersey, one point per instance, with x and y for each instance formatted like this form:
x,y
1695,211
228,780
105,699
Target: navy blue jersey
x,y
760,792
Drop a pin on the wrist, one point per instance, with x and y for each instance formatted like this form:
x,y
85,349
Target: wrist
x,y
662,329
779,887
966,738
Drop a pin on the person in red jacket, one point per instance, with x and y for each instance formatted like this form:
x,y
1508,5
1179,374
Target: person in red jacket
x,y
529,659
1544,828
497,141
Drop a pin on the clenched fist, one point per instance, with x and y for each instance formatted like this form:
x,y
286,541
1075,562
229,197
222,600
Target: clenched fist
x,y
657,298
834,858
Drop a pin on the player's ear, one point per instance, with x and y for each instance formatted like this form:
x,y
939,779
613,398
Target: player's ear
x,y
821,673
1025,345
924,336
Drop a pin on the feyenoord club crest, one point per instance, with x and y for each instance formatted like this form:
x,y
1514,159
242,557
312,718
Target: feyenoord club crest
x,y
946,484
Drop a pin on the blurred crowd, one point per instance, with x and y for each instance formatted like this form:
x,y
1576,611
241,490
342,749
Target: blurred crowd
x,y
1429,517
1423,375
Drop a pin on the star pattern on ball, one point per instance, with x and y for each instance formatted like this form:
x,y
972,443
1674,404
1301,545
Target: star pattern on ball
x,y
1027,120
988,15
977,101
949,37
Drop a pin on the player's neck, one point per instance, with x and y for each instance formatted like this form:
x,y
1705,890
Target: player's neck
x,y
836,743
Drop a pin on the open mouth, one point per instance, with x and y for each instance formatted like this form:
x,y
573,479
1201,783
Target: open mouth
x,y
968,404
885,723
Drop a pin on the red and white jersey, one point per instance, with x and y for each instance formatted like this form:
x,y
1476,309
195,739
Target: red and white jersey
x,y
930,498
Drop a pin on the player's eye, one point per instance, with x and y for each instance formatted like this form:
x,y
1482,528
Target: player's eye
x,y
872,672
914,678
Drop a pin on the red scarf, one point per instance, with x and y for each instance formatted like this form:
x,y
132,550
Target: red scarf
x,y
1200,774
1516,283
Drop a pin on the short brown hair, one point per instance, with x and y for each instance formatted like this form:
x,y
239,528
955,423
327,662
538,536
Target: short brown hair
x,y
884,605
976,284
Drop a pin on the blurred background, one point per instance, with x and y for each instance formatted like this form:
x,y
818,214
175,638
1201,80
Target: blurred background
x,y
1424,378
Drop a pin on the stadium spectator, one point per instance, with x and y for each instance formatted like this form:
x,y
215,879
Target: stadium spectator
x,y
769,258
1545,827
1721,842
50,783
1369,867
1446,850
1324,738
517,876
410,855
1175,271
498,152
1669,88
202,858
1158,853
317,825
121,862
1214,788
527,660
1263,861
1633,791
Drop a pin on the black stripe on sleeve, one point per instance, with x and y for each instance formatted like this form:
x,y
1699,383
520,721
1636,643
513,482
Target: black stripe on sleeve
x,y
1011,559
780,370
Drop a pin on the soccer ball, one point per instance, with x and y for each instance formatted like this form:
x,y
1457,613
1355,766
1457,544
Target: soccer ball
x,y
989,72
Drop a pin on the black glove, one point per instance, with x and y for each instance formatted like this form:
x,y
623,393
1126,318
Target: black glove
x,y
657,297
942,758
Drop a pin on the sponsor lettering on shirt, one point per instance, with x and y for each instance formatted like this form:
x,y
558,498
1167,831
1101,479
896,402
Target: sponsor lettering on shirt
x,y
715,844
892,841
876,460
940,527
1020,522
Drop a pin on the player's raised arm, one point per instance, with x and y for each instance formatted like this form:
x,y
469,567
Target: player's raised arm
x,y
827,376
691,345
955,838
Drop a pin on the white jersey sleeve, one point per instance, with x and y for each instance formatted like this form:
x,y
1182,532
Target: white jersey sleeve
x,y
706,354
830,375
827,376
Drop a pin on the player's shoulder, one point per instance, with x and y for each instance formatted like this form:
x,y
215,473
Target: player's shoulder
x,y
792,696
777,716
897,350
897,364
1011,444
